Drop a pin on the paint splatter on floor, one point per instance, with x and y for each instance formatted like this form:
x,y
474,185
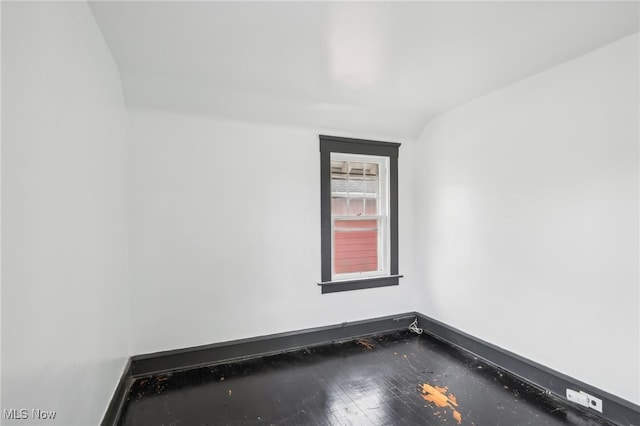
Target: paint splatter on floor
x,y
343,383
438,395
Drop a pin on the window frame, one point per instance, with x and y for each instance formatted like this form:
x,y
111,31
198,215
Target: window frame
x,y
340,145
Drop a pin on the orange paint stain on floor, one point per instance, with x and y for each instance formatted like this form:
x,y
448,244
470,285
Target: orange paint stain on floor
x,y
438,396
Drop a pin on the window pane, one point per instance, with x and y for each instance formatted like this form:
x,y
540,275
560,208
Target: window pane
x,y
339,186
371,207
356,169
355,246
339,206
339,167
371,187
372,179
356,206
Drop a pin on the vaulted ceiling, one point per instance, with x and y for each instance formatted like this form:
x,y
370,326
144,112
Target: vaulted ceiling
x,y
368,67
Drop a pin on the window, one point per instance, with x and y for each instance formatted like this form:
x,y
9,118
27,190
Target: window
x,y
359,209
359,215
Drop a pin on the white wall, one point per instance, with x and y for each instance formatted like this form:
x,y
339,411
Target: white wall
x,y
226,234
527,218
525,206
64,217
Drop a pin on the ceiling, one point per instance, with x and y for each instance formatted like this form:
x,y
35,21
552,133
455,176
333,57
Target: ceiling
x,y
383,68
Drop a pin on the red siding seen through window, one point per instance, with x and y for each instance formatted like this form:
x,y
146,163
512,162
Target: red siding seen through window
x,y
355,246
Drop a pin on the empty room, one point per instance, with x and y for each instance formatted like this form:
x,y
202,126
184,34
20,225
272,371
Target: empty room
x,y
320,213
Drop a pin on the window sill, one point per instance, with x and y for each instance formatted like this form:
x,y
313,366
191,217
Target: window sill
x,y
359,284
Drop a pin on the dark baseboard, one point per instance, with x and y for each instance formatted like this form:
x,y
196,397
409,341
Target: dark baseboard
x,y
114,409
142,365
614,409
181,359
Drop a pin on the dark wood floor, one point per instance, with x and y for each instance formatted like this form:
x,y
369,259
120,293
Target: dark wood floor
x,y
394,379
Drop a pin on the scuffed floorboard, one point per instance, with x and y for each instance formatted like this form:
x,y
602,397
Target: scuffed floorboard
x,y
392,379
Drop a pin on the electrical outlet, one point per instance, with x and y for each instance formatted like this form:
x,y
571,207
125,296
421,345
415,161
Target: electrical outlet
x,y
584,399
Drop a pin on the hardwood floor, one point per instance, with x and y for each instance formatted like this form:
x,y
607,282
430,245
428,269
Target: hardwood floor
x,y
392,379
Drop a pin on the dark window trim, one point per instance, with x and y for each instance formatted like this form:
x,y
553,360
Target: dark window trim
x,y
329,144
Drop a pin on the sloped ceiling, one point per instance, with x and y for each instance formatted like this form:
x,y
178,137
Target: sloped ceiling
x,y
365,67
